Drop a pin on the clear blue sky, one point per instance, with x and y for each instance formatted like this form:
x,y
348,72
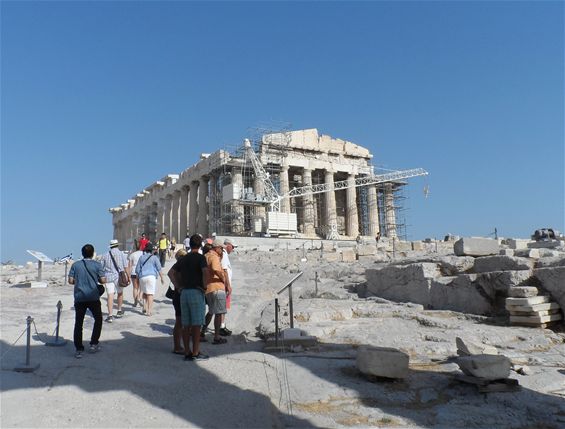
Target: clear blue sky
x,y
100,99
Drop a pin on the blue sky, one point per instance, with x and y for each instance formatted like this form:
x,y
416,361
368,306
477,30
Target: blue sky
x,y
100,99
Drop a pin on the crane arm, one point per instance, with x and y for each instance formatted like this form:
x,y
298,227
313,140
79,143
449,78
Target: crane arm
x,y
360,181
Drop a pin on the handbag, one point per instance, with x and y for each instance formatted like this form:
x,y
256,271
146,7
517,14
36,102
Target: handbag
x,y
170,293
123,276
100,287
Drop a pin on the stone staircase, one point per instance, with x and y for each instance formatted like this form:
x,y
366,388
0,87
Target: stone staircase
x,y
528,308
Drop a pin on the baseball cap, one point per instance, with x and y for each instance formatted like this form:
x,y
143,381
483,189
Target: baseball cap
x,y
228,241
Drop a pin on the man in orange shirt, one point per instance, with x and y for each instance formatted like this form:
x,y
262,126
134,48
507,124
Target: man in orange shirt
x,y
217,288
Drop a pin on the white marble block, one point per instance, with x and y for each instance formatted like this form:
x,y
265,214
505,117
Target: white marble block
x,y
382,362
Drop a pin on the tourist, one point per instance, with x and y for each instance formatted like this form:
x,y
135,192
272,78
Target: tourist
x,y
186,242
143,242
148,268
188,276
133,258
177,330
163,246
173,246
85,276
113,262
229,247
217,288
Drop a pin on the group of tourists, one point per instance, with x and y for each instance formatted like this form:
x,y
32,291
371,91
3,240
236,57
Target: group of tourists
x,y
200,276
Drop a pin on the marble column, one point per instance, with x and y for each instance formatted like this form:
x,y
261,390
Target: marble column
x,y
237,222
183,215
390,215
309,208
351,215
374,226
285,202
193,208
161,209
175,216
167,218
331,208
212,202
202,221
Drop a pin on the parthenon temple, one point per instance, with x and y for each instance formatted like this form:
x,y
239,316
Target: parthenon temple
x,y
313,193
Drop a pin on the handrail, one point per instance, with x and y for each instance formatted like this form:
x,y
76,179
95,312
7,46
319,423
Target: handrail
x,y
290,282
290,306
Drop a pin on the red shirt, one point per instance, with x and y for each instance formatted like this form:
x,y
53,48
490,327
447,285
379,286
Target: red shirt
x,y
142,243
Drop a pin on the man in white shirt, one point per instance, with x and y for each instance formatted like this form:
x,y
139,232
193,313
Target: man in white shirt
x,y
229,246
186,242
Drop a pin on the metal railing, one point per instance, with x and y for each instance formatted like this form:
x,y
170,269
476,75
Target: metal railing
x,y
290,306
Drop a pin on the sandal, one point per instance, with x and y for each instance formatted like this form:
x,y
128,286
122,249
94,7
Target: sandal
x,y
219,341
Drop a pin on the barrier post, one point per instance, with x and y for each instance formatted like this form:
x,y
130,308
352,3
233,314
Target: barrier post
x,y
27,367
57,342
276,322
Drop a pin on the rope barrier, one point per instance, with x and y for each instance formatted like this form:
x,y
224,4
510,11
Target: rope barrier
x,y
11,346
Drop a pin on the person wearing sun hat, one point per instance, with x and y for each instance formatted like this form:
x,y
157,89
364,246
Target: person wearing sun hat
x,y
217,288
112,274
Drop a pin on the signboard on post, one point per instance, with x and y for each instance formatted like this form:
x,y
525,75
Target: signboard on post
x,y
41,258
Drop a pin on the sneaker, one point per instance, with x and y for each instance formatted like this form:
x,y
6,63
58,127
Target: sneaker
x,y
78,354
200,356
225,332
110,319
94,348
119,314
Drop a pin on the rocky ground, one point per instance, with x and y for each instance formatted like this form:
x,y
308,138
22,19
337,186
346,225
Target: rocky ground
x,y
135,381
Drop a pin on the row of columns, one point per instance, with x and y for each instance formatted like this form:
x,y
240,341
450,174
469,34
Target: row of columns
x,y
187,211
330,214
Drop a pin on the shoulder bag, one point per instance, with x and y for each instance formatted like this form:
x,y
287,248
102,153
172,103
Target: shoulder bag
x,y
100,287
123,276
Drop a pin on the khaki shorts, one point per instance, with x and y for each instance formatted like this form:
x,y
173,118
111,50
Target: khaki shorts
x,y
112,287
216,302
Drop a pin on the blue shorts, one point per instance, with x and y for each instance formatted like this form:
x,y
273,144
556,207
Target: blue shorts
x,y
192,307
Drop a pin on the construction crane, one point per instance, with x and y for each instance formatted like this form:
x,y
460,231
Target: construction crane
x,y
273,199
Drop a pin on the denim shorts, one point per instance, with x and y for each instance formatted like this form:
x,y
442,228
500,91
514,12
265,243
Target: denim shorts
x,y
192,307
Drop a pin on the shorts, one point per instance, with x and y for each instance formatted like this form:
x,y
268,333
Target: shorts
x,y
176,303
216,302
111,288
148,285
192,307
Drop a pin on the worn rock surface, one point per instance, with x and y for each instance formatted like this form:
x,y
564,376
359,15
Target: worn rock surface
x,y
553,281
487,264
318,387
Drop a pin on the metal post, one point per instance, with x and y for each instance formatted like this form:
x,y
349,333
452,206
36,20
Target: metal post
x,y
393,248
276,322
58,341
290,306
66,271
316,283
39,268
435,239
27,367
